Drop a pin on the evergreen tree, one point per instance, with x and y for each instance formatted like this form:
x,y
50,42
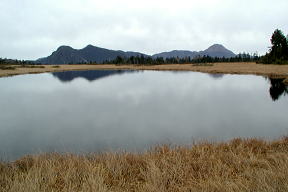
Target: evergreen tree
x,y
278,53
279,44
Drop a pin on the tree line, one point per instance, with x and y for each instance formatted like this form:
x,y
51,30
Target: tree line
x,y
278,52
147,60
15,62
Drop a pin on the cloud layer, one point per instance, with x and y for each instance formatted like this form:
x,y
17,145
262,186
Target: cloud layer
x,y
31,28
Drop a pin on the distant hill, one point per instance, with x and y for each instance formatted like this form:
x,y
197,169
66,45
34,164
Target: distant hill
x,y
215,50
67,55
176,53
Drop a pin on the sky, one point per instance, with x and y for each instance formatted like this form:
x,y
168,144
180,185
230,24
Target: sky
x,y
31,29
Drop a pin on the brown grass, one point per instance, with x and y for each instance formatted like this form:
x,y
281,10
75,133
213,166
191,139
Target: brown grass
x,y
226,68
238,165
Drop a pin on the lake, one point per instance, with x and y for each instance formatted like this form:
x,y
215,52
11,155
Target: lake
x,y
96,111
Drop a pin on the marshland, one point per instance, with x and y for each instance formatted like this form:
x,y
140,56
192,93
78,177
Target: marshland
x,y
143,96
143,130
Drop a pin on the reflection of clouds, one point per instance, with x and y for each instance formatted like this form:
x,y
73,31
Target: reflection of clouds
x,y
134,111
135,96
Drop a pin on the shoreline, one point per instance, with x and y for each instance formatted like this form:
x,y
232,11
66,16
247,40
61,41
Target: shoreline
x,y
274,71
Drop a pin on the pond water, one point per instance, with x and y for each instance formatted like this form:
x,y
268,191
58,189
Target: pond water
x,y
96,111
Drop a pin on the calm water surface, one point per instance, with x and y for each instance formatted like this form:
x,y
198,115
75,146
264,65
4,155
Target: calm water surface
x,y
94,111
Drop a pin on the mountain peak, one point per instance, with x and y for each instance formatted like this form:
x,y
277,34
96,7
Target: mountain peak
x,y
64,47
216,48
89,46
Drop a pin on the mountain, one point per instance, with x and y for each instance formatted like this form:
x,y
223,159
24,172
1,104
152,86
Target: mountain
x,y
63,55
66,54
215,50
176,53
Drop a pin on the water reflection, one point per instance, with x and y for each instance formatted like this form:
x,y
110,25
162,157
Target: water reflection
x,y
277,89
93,75
216,75
134,111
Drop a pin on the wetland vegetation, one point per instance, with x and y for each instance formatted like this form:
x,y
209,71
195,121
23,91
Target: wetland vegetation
x,y
238,165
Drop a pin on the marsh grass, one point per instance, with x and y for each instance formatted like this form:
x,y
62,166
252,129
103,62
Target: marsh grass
x,y
238,165
14,67
6,67
31,66
203,64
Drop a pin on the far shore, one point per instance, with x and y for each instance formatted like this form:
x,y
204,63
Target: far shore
x,y
274,71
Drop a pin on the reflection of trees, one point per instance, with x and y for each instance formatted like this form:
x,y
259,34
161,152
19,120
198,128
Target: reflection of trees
x,y
216,75
277,88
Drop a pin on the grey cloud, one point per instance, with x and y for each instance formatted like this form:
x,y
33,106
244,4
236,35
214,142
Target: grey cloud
x,y
33,29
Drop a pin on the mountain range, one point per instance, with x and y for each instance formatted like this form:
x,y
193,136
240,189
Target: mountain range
x,y
67,55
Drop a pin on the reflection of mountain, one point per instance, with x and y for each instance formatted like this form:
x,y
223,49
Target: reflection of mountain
x,y
88,75
277,88
216,75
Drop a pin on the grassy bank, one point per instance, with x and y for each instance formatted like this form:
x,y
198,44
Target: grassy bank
x,y
224,68
238,165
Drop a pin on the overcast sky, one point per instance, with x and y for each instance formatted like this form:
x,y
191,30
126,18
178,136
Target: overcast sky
x,y
34,28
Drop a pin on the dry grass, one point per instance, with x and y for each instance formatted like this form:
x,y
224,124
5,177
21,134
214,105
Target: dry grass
x,y
238,165
227,68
